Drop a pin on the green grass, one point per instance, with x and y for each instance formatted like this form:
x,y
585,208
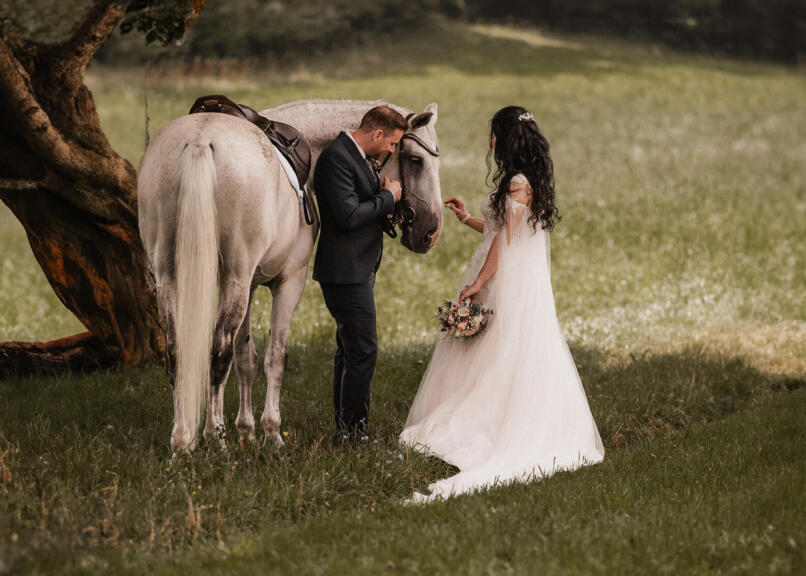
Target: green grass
x,y
725,497
678,272
90,483
680,180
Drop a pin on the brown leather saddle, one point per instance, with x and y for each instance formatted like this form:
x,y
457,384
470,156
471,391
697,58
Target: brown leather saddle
x,y
288,140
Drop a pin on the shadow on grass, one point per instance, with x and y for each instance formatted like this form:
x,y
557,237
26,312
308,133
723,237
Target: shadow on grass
x,y
473,52
654,394
634,398
86,459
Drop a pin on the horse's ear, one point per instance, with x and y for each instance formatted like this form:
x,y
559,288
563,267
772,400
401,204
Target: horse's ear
x,y
433,109
428,116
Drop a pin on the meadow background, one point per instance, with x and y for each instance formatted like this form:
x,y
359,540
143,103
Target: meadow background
x,y
679,271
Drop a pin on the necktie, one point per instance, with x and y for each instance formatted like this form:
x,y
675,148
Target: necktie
x,y
375,167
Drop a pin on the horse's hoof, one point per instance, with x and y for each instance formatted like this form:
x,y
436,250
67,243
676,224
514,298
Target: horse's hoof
x,y
216,437
178,456
182,449
221,435
274,439
246,437
181,441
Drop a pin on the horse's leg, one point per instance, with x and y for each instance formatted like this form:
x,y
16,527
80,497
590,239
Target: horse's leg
x,y
286,293
245,369
233,303
166,304
210,421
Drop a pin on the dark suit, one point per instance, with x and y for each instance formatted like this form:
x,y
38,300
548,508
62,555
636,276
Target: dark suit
x,y
352,211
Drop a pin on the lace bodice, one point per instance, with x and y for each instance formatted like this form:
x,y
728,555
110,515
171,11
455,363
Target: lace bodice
x,y
480,255
491,228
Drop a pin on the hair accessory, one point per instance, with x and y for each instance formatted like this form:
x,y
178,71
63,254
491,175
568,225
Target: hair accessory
x,y
526,116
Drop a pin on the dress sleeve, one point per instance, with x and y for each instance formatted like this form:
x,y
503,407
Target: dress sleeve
x,y
514,215
519,178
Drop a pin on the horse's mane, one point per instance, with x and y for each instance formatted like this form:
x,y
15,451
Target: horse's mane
x,y
318,102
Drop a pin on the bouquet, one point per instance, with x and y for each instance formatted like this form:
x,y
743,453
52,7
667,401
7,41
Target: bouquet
x,y
463,319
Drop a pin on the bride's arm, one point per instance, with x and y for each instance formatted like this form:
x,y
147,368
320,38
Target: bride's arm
x,y
476,224
458,207
487,271
518,197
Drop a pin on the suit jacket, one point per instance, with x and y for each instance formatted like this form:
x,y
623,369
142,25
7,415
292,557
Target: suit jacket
x,y
352,211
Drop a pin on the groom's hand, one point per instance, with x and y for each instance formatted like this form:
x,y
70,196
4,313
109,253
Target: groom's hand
x,y
394,187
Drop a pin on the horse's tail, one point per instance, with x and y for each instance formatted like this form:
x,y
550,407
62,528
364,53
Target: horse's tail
x,y
196,283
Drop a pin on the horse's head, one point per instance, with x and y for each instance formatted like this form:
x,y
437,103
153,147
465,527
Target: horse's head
x,y
416,164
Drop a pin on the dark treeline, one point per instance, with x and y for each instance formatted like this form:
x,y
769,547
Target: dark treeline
x,y
277,28
769,29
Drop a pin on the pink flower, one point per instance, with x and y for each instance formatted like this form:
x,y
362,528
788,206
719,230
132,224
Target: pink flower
x,y
462,319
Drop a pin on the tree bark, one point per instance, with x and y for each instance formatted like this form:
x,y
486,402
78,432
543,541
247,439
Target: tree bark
x,y
76,198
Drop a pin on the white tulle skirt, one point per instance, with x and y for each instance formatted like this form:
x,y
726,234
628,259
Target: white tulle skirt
x,y
508,404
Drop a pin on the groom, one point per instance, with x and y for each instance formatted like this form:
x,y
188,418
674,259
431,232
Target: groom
x,y
354,205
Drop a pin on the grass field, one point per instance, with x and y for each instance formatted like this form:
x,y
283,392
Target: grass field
x,y
679,271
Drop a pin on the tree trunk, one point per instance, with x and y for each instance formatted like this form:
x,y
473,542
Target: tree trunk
x,y
76,198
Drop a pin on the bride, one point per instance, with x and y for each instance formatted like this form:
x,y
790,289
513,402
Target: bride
x,y
506,405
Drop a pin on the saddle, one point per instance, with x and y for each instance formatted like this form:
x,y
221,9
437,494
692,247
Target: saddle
x,y
288,140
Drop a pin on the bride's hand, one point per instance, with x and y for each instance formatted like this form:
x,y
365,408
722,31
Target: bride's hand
x,y
470,292
457,206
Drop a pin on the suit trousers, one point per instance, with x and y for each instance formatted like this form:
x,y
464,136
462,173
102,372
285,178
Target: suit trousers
x,y
353,307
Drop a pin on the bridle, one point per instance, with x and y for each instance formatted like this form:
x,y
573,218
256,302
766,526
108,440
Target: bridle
x,y
404,214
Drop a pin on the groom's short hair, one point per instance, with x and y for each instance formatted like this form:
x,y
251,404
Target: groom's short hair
x,y
382,118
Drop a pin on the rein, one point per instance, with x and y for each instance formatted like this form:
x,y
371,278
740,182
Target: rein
x,y
404,214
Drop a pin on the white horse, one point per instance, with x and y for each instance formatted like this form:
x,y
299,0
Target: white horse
x,y
219,217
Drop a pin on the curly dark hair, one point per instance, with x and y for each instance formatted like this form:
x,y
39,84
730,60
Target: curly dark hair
x,y
520,147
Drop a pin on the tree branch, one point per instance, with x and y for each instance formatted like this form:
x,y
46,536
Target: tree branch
x,y
45,141
81,352
76,53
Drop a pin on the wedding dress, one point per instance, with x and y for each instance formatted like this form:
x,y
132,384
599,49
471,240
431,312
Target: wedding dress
x,y
506,405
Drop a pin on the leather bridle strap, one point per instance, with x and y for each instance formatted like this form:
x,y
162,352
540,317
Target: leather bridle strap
x,y
399,218
411,136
